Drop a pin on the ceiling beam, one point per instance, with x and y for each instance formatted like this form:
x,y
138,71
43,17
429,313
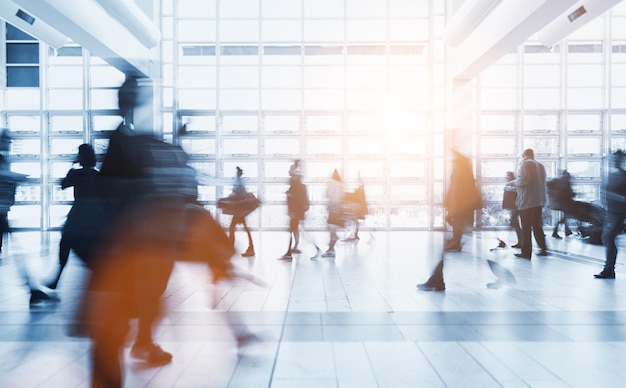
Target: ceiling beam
x,y
92,27
507,26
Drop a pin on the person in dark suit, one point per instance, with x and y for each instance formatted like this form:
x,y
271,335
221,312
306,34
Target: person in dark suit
x,y
297,205
615,192
83,219
531,198
461,200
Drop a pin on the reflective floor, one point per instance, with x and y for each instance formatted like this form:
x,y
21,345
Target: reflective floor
x,y
353,321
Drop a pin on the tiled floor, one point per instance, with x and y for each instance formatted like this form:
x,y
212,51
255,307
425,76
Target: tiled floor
x,y
355,321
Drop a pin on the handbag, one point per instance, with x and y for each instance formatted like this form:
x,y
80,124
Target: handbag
x,y
508,200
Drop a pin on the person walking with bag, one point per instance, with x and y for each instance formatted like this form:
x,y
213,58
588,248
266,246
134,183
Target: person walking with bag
x,y
297,206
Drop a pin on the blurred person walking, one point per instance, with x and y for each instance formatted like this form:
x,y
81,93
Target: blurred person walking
x,y
336,213
461,200
83,222
561,198
615,192
297,206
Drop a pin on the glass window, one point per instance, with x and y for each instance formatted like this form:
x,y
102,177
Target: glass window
x,y
584,145
323,30
240,123
367,76
542,98
100,145
408,8
542,123
585,75
497,123
105,76
412,193
366,8
584,122
66,99
542,75
277,169
584,168
22,53
407,145
197,124
542,145
25,216
281,9
239,9
584,98
22,76
323,9
324,99
407,169
196,99
250,171
24,123
281,146
197,31
64,146
281,123
367,123
366,30
403,30
282,77
408,75
366,169
323,76
25,146
498,99
197,76
497,168
281,30
618,122
104,99
106,122
32,169
239,30
324,146
281,99
239,76
65,76
498,146
321,169
409,216
239,146
196,8
196,54
366,145
239,99
198,146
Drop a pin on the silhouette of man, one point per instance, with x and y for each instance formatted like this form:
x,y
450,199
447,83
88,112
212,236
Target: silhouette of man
x,y
615,191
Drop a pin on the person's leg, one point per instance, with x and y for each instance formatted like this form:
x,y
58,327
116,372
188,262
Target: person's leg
x,y
614,226
537,227
516,226
332,230
64,254
527,244
231,230
250,251
296,235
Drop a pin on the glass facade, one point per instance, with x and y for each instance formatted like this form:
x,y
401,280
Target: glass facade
x,y
354,85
